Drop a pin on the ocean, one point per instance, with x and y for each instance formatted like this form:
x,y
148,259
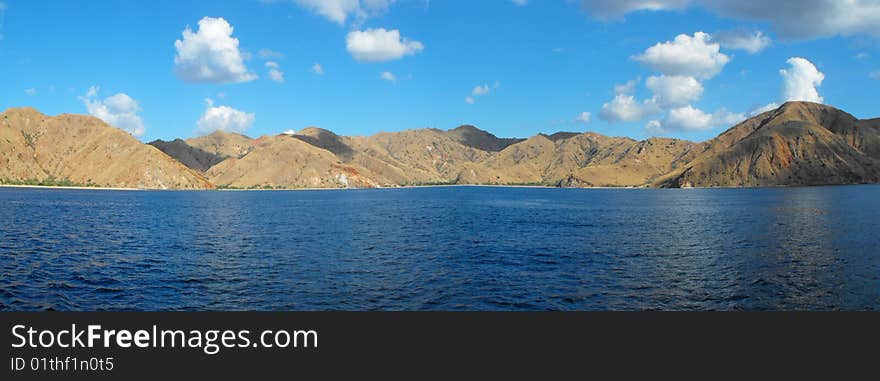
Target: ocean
x,y
441,248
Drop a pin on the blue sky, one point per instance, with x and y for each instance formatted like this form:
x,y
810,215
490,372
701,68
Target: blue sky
x,y
515,68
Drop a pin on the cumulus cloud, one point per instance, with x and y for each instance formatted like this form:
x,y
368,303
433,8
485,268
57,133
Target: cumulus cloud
x,y
690,56
378,45
318,69
802,19
119,110
469,100
211,54
224,118
31,91
674,91
626,88
655,127
583,117
689,118
752,42
388,76
275,73
800,82
339,11
625,108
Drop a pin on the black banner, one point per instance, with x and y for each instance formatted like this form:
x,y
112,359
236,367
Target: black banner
x,y
415,345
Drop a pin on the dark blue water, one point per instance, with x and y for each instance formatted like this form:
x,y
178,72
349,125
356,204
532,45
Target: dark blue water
x,y
467,248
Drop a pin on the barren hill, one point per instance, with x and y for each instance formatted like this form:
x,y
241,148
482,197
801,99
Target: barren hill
x,y
483,140
800,143
192,157
85,151
223,144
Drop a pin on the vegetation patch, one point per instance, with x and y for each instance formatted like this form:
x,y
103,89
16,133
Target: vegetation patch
x,y
48,182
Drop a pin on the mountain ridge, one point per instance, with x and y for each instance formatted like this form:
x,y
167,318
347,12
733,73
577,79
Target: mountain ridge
x,y
799,143
83,150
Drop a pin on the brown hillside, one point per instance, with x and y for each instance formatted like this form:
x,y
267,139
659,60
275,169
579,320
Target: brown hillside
x,y
800,143
84,150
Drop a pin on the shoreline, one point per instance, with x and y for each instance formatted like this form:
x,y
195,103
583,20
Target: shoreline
x,y
70,187
405,187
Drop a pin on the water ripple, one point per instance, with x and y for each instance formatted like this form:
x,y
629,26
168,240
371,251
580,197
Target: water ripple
x,y
461,248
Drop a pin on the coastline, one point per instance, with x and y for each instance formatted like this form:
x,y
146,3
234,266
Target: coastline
x,y
70,187
306,189
407,187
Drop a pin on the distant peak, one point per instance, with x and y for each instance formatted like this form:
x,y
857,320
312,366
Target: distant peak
x,y
562,135
226,134
315,131
467,127
27,110
818,113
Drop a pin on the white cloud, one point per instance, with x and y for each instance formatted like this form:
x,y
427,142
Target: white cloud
x,y
800,82
689,118
583,117
752,42
388,76
520,2
288,132
626,88
119,110
480,90
801,19
625,108
275,73
674,91
269,54
224,118
339,11
378,45
318,69
693,56
875,74
655,127
210,54
30,92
